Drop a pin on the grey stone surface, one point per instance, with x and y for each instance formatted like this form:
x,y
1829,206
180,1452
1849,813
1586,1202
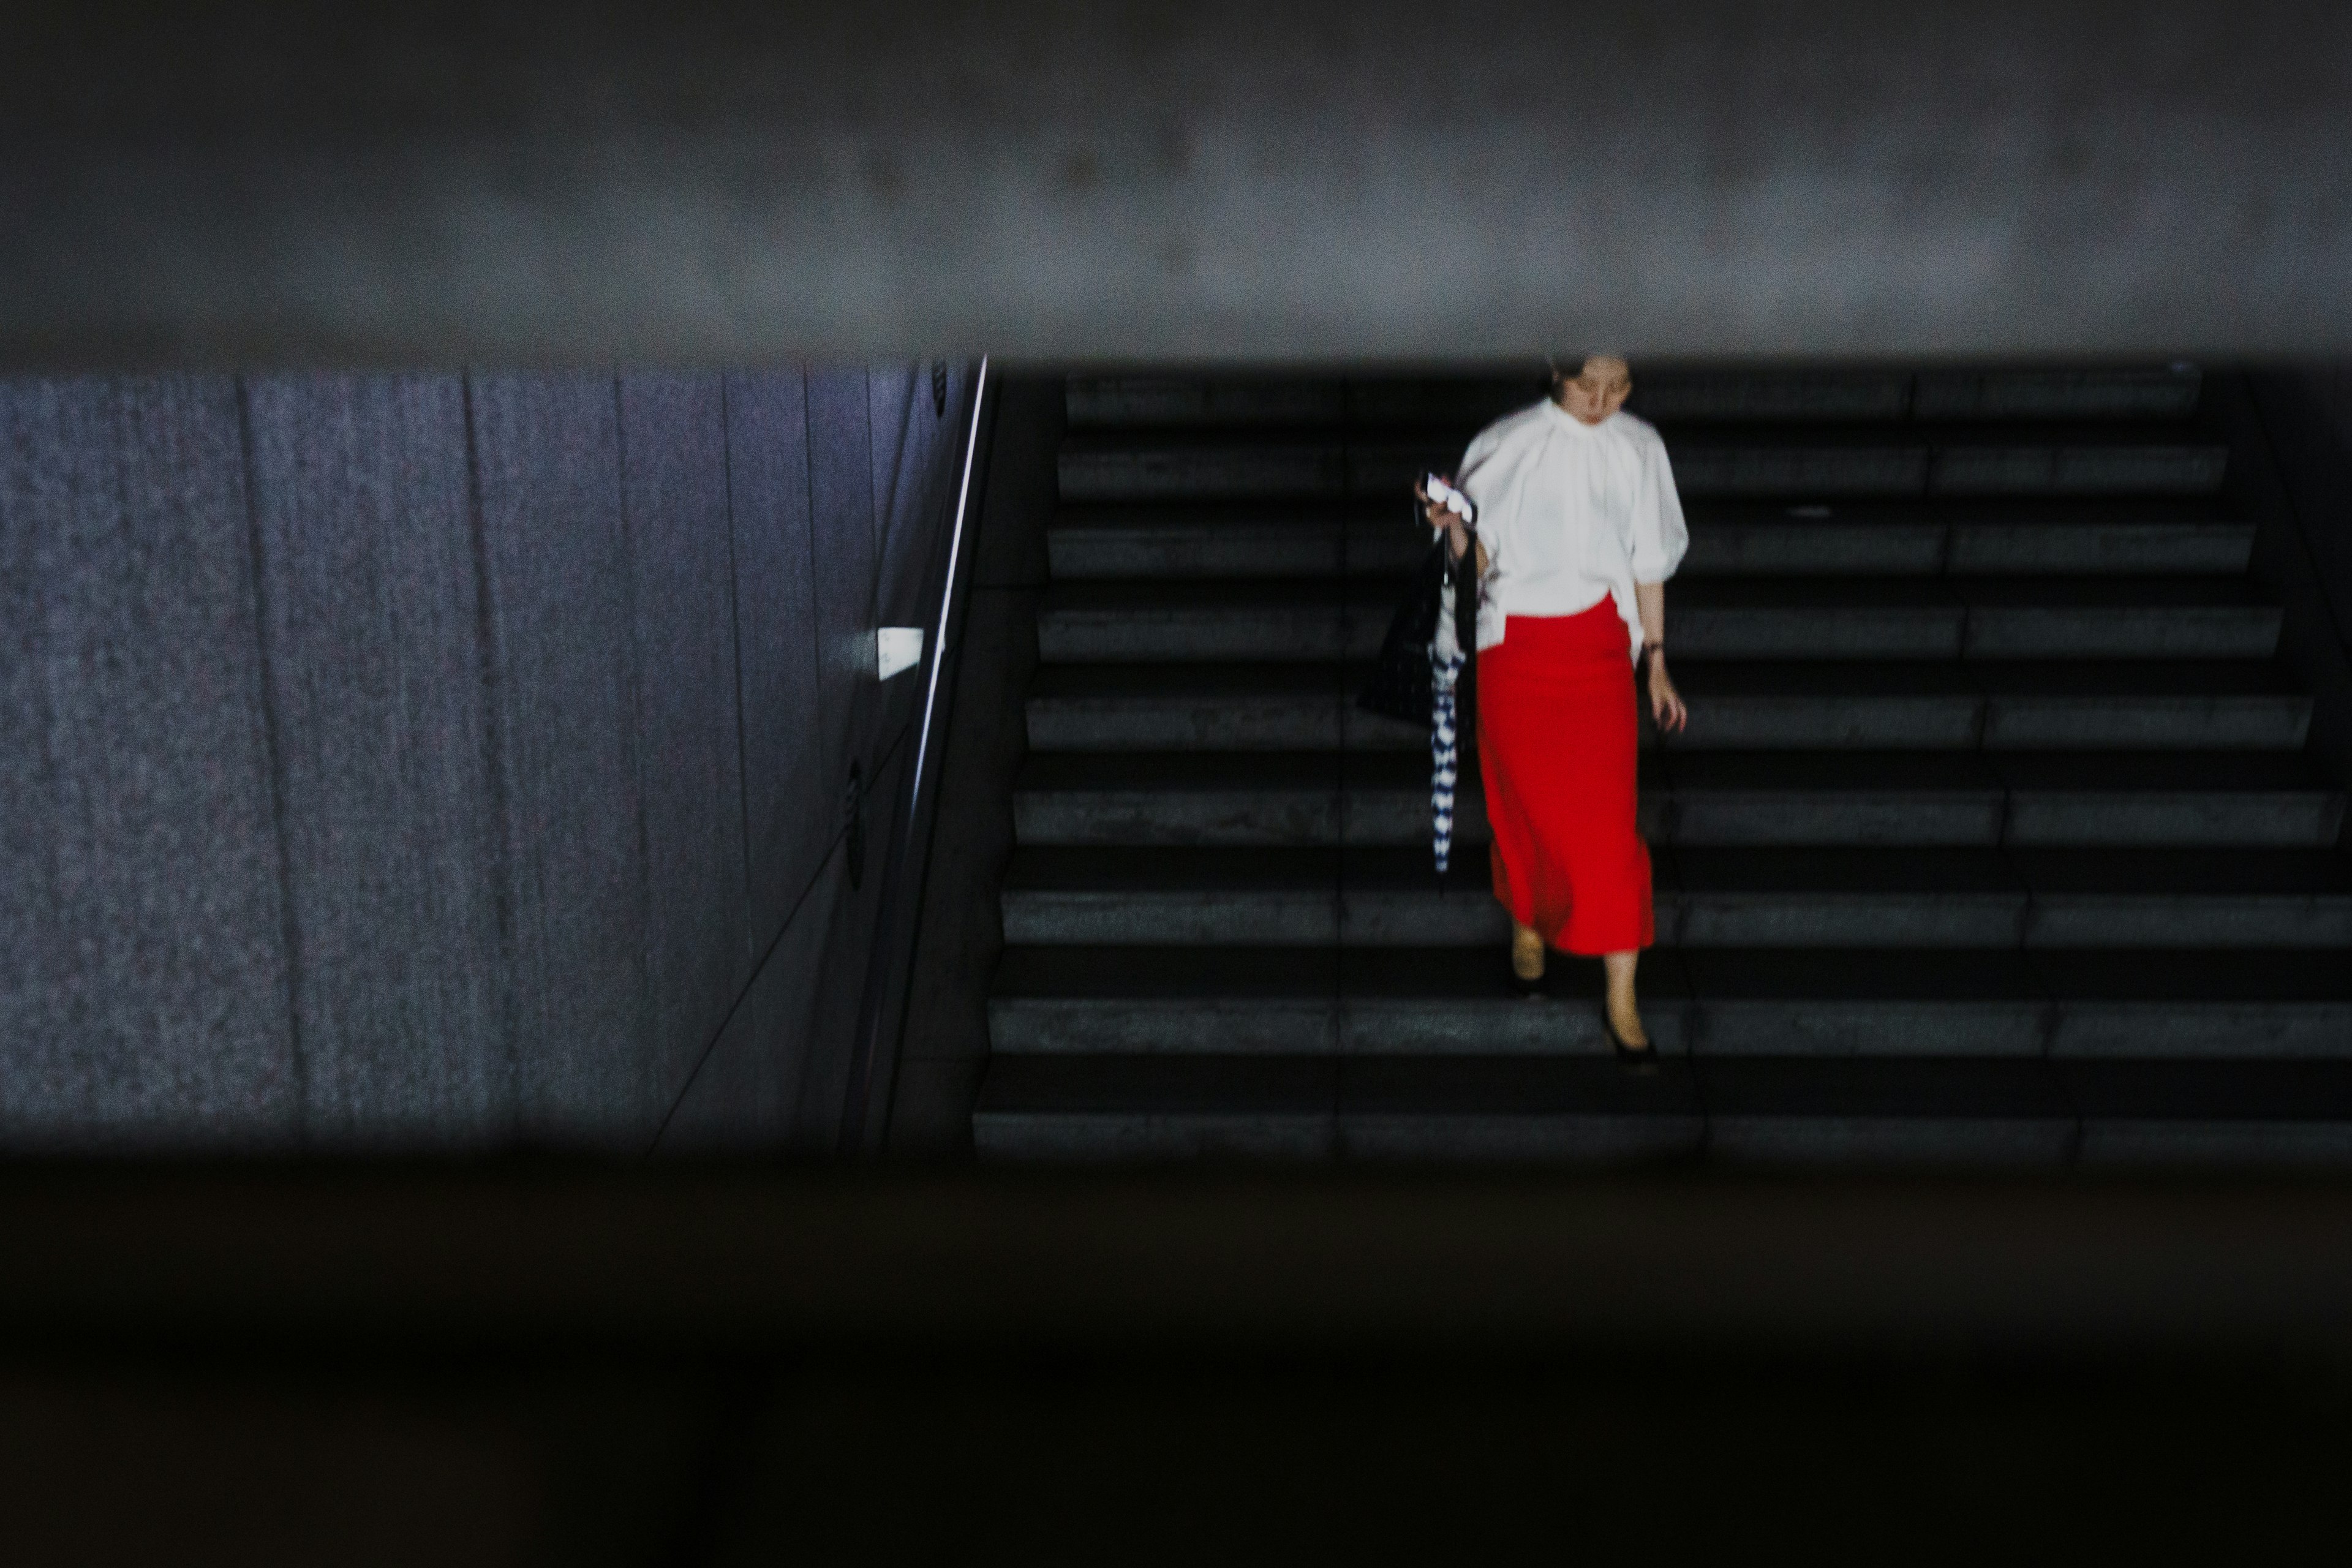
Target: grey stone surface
x,y
1773,394
1111,401
1264,816
744,1091
1496,1027
1206,1026
1704,630
1730,816
2191,918
2118,469
1420,917
1150,917
1171,471
852,908
1072,629
726,1105
1118,1136
1059,189
2277,722
1285,544
363,503
565,705
917,461
931,1107
1942,722
2168,392
1152,1107
2192,1142
787,780
1891,917
844,534
2166,631
2308,818
147,991
1509,1137
673,442
1274,721
1840,1026
2106,547
1785,546
1704,470
2204,1029
1933,1142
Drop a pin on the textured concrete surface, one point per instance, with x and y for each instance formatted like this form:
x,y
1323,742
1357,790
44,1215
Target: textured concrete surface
x,y
565,708
400,761
776,642
148,971
362,508
841,513
673,441
1222,179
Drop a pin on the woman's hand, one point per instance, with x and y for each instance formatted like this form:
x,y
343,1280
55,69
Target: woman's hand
x,y
1450,520
1666,703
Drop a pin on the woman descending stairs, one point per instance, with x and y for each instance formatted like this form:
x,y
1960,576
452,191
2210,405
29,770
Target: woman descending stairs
x,y
1994,836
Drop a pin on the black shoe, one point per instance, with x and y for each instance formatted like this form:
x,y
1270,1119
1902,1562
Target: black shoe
x,y
1631,1054
1525,989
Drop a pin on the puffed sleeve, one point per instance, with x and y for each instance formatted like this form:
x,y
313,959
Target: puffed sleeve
x,y
1660,536
1475,481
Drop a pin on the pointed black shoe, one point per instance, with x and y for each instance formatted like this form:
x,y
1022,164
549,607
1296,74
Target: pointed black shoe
x,y
1629,1054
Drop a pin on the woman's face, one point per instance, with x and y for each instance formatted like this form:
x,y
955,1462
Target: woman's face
x,y
1597,390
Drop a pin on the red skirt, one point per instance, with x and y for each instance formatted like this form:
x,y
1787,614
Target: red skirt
x,y
1557,729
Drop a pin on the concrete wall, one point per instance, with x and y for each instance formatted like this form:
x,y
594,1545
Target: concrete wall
x,y
738,183
451,761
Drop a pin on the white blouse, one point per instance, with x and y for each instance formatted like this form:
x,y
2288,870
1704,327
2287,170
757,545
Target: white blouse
x,y
1569,513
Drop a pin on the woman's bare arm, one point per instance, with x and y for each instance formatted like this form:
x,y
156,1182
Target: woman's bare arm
x,y
1650,598
1666,702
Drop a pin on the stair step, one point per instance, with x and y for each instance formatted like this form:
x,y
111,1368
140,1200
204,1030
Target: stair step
x,y
1708,462
1096,1108
1922,706
1846,464
1095,402
2200,1003
1807,618
1924,1112
1876,1002
2056,899
1660,393
1321,538
2153,393
1270,799
1516,1109
2267,1114
1170,469
2141,898
2183,799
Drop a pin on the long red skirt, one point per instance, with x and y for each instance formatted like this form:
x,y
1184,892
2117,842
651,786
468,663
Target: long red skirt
x,y
1557,730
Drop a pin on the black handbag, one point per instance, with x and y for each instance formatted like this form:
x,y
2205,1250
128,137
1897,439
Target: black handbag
x,y
1400,687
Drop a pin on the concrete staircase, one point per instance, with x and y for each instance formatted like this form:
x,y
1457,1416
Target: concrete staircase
x,y
1994,839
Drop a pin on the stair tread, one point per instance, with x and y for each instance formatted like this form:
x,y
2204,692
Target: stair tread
x,y
1867,974
2286,1091
1995,804
1512,1086
1863,1087
2199,975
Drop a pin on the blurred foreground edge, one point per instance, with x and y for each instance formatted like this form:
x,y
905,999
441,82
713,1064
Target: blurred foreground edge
x,y
721,1259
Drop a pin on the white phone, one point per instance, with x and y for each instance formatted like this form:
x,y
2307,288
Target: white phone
x,y
1451,499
